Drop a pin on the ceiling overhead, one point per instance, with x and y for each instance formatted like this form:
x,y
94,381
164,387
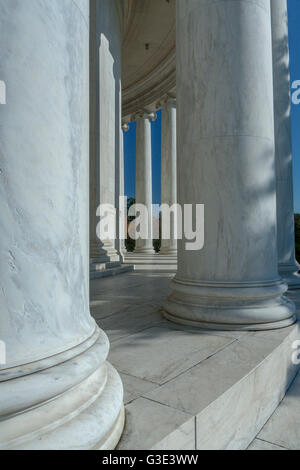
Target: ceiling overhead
x,y
149,50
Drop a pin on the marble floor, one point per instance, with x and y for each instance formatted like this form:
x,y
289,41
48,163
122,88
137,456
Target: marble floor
x,y
282,431
188,389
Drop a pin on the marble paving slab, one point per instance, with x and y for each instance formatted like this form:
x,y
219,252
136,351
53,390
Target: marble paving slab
x,y
187,388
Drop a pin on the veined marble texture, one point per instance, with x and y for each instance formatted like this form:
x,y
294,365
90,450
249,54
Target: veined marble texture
x,y
105,119
226,154
169,171
57,390
144,178
44,179
288,266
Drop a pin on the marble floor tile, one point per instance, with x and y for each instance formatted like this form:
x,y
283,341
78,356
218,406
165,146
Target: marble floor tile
x,y
153,426
258,444
101,309
134,388
283,428
159,354
130,321
194,390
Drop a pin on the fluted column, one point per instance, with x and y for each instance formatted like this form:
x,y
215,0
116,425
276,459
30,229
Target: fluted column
x,y
288,266
169,173
56,390
144,177
105,122
226,161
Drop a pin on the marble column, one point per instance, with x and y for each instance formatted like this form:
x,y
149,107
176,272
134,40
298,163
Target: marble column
x,y
57,390
105,120
288,266
169,172
123,209
226,161
144,177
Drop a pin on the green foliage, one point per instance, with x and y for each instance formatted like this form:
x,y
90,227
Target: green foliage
x,y
129,243
157,245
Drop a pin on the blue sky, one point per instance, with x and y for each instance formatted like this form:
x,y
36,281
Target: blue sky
x,y
130,137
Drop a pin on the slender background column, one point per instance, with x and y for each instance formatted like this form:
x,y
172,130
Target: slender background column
x,y
144,178
56,391
288,267
169,170
105,120
226,161
123,209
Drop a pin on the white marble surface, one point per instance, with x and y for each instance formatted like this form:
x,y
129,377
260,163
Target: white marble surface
x,y
288,267
56,390
169,171
105,118
226,161
159,354
153,426
231,391
146,262
134,387
258,444
135,319
283,428
44,180
144,178
120,192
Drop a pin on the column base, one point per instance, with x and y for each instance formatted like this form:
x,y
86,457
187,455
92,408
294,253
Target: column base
x,y
290,274
76,405
168,252
104,253
144,251
230,306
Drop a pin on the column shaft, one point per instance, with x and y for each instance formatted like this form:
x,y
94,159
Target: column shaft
x,y
105,120
56,390
226,162
169,173
123,209
144,179
288,267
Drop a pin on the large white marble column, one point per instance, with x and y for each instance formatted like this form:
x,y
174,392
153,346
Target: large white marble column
x,y
288,267
169,173
105,132
56,390
226,161
144,178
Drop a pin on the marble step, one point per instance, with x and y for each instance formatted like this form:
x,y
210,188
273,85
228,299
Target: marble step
x,y
144,262
282,431
114,270
219,403
100,266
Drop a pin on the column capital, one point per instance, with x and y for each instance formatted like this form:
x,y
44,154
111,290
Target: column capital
x,y
126,126
144,114
167,99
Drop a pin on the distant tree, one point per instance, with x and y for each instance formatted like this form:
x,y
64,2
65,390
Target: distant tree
x,y
157,243
129,243
297,236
